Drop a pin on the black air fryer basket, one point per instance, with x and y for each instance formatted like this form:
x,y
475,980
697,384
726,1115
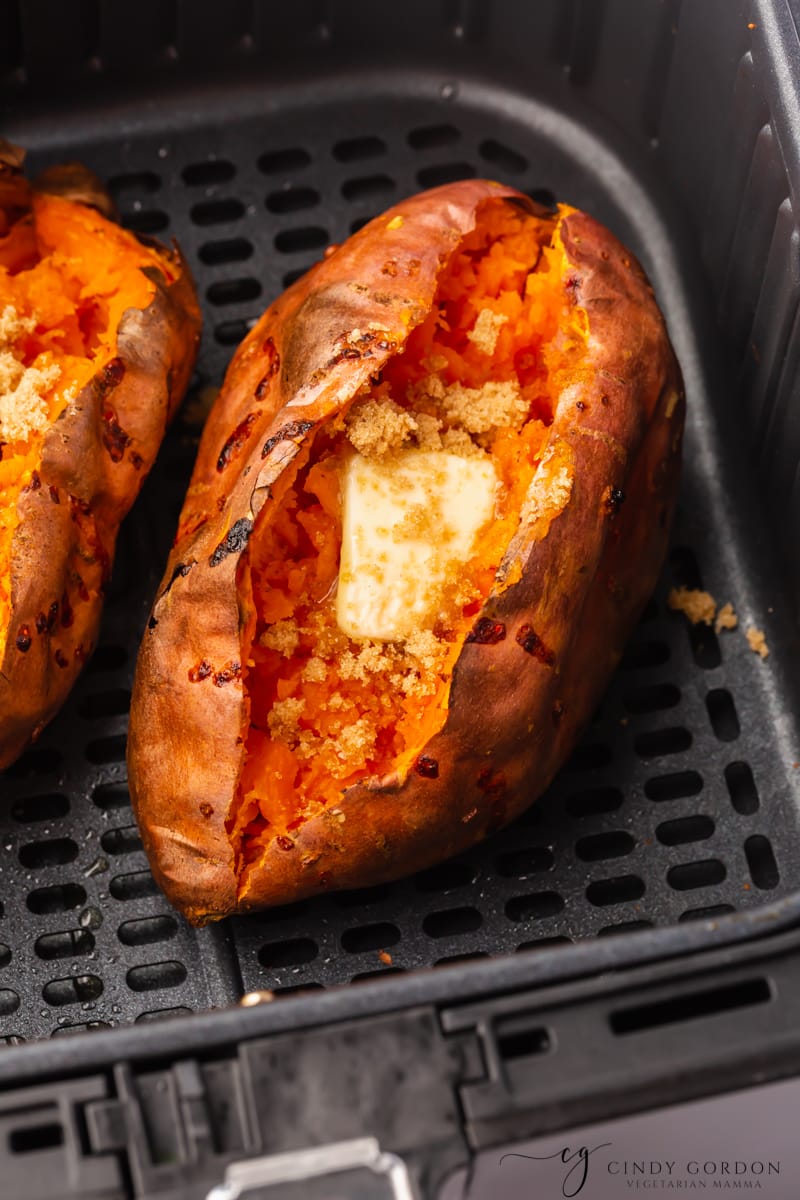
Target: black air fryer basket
x,y
668,848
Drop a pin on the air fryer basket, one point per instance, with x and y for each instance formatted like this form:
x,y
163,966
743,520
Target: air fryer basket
x,y
681,804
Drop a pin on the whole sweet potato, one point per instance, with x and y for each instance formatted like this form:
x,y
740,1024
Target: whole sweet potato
x,y
98,337
284,741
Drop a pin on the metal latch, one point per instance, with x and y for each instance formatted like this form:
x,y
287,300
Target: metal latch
x,y
358,1167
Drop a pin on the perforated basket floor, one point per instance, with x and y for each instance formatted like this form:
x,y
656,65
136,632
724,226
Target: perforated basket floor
x,y
680,802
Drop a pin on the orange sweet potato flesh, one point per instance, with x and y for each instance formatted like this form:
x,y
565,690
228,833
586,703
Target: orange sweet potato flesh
x,y
237,814
111,325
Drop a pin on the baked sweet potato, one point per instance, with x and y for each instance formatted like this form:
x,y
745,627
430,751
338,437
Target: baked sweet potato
x,y
328,696
98,337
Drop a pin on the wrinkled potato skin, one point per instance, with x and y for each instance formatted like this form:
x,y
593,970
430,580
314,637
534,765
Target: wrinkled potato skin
x,y
72,519
588,566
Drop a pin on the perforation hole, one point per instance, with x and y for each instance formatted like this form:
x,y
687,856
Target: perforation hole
x,y
742,788
722,714
9,1002
518,864
111,796
704,645
107,658
502,156
661,742
544,943
446,877
363,896
61,897
290,200
688,876
292,276
107,750
146,930
233,291
227,250
133,886
590,757
36,1138
435,176
450,959
5,954
534,907
684,830
292,953
675,786
68,943
230,333
134,183
452,922
153,977
643,656
652,698
684,567
124,840
296,241
619,890
216,170
623,927
279,162
76,989
146,220
51,853
368,187
353,149
707,914
40,808
160,1014
761,861
41,760
594,801
80,1027
543,196
113,703
430,137
378,973
217,212
370,937
600,846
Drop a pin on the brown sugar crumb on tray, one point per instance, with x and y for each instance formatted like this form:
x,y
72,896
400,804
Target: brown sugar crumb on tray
x,y
757,642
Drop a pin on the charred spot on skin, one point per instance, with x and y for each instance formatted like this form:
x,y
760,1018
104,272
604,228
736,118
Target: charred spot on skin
x,y
614,499
558,711
77,505
24,639
180,572
115,439
487,632
571,284
34,483
412,270
604,400
206,809
427,767
532,644
61,659
110,377
236,441
83,591
492,783
136,460
234,543
201,671
581,407
283,842
67,615
390,268
228,673
151,624
52,617
273,366
294,429
54,496
41,623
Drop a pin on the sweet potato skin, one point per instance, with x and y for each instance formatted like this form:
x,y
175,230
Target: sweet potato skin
x,y
94,460
587,558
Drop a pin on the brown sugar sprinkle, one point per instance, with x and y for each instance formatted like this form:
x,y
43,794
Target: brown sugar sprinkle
x,y
757,642
385,957
375,429
698,606
726,618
